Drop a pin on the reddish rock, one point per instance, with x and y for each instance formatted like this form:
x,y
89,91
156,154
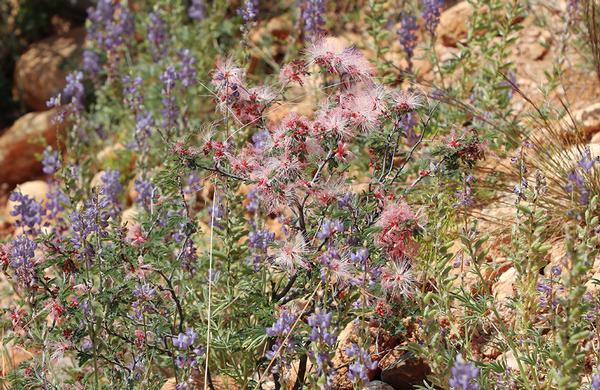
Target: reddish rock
x,y
20,144
402,370
40,72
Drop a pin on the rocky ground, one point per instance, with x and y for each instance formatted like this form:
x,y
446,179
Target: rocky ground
x,y
40,73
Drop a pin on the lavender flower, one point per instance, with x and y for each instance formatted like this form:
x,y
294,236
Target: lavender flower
x,y
144,122
157,36
249,11
407,36
29,211
145,192
185,340
329,228
596,379
50,161
362,364
312,14
55,201
131,93
92,219
111,25
21,255
196,10
144,295
91,62
323,344
464,375
170,111
252,205
283,325
360,256
188,72
260,239
431,14
111,189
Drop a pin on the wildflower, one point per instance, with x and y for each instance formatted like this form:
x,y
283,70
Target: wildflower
x,y
157,36
294,71
249,11
431,14
170,111
50,161
407,36
596,379
28,211
282,331
188,72
21,259
397,279
587,162
185,340
56,199
363,107
91,62
145,192
404,102
111,189
312,14
323,343
131,93
358,370
260,239
398,223
464,375
291,255
330,54
360,256
196,10
329,228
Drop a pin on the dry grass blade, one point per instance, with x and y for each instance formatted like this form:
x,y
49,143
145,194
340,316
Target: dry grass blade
x,y
590,9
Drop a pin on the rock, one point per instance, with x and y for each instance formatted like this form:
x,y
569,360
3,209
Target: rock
x,y
40,72
595,139
381,341
11,357
277,28
377,385
504,290
454,23
36,189
533,44
18,150
588,120
402,370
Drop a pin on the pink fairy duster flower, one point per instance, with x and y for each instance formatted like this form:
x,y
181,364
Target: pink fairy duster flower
x,y
355,65
333,122
403,102
398,223
397,279
331,54
340,272
295,71
342,152
363,106
329,191
291,255
227,75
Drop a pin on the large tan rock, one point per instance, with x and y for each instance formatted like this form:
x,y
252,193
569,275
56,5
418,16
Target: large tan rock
x,y
402,370
19,146
454,23
40,72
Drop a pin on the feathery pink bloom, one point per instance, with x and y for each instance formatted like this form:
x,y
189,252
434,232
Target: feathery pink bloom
x,y
332,55
398,223
291,255
397,279
364,105
405,101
